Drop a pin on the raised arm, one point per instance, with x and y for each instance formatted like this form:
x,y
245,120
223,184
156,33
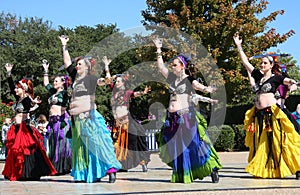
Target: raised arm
x,y
67,59
11,83
46,70
106,62
108,78
160,61
242,54
251,79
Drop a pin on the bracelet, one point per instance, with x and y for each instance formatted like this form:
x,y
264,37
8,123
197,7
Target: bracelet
x,y
106,67
240,48
46,71
159,54
8,74
202,88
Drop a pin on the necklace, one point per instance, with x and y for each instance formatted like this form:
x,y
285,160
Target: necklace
x,y
264,79
180,77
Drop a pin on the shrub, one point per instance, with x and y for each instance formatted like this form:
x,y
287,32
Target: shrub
x,y
222,137
239,138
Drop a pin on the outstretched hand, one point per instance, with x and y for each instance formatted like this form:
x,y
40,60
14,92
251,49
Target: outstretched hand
x,y
8,67
210,89
147,89
294,87
37,100
105,60
64,39
213,101
237,39
158,42
45,65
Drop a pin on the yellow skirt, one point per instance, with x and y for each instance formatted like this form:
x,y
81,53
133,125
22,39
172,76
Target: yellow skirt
x,y
273,152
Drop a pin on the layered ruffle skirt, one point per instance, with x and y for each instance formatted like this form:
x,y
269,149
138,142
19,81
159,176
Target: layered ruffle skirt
x,y
185,146
131,145
27,158
93,152
59,148
274,145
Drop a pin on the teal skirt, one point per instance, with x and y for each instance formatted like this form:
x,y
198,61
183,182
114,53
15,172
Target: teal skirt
x,y
92,148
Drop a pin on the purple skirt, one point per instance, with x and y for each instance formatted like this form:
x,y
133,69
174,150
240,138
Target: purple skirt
x,y
59,149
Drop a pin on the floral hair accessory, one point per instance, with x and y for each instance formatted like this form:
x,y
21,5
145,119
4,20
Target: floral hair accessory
x,y
67,81
23,84
93,61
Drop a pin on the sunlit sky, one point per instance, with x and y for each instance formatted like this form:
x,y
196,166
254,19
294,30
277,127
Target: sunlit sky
x,y
126,14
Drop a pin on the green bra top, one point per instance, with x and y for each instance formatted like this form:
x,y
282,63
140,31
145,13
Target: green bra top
x,y
61,99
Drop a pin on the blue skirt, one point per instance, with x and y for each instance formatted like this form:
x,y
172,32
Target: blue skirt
x,y
92,148
185,146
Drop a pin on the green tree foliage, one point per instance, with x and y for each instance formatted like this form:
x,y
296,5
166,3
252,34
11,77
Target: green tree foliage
x,y
25,42
292,69
213,23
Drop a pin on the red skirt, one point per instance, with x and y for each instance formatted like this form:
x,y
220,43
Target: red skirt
x,y
26,155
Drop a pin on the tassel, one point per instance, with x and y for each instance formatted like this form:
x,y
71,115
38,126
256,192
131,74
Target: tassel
x,y
268,119
268,127
251,127
180,120
167,123
190,116
63,124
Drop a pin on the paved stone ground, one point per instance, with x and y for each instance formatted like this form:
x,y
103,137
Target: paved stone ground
x,y
233,180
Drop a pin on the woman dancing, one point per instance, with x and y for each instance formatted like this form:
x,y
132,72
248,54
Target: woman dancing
x,y
26,158
130,136
59,150
271,137
184,144
93,155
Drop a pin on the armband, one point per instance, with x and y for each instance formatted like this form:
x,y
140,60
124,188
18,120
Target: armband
x,y
8,74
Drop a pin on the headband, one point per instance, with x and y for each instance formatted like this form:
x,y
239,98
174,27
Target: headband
x,y
183,61
271,59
